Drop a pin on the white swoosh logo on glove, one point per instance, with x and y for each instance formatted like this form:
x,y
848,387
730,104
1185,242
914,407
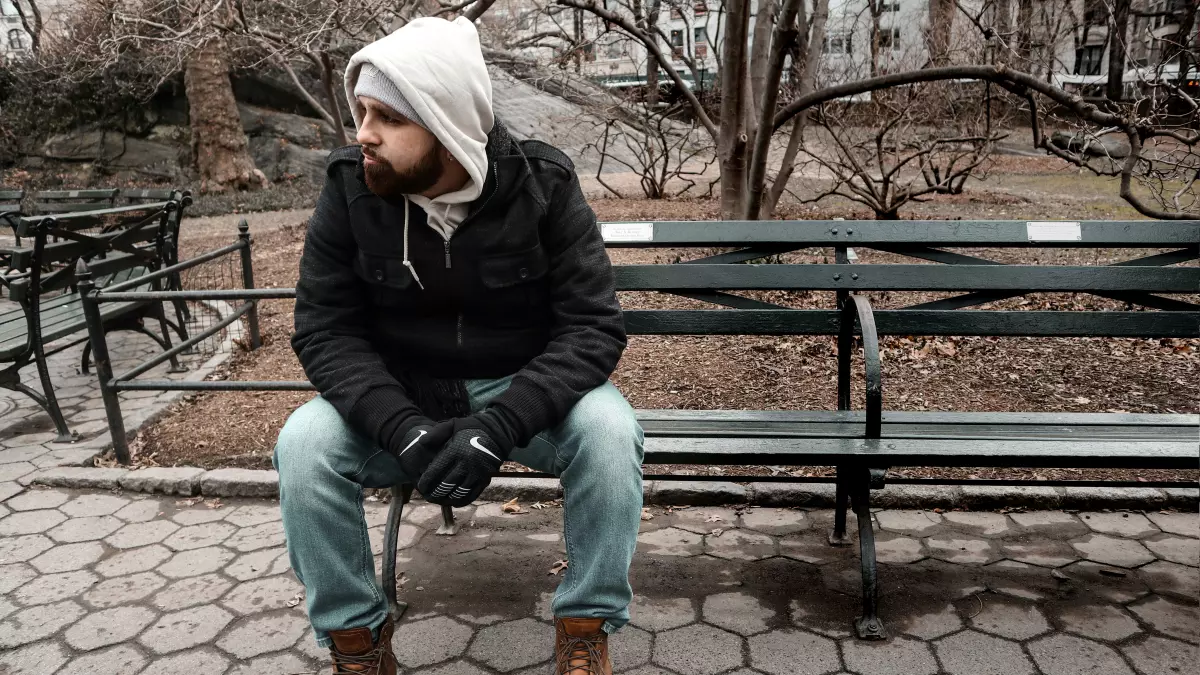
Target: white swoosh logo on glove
x,y
416,440
475,444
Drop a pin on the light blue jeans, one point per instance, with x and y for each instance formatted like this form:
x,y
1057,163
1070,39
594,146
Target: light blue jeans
x,y
324,465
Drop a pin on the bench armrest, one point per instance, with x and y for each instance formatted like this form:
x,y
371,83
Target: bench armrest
x,y
857,310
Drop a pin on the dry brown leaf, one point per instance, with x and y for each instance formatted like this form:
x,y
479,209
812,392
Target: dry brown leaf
x,y
713,519
511,506
646,515
296,599
716,533
558,567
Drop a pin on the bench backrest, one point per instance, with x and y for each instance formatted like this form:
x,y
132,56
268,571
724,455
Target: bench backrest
x,y
713,279
70,201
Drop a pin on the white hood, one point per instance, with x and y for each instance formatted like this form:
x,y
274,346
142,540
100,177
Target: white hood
x,y
438,66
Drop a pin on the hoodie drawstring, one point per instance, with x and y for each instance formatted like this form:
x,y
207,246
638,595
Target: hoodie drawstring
x,y
407,262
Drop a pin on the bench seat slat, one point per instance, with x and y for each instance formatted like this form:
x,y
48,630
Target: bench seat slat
x,y
72,324
1122,454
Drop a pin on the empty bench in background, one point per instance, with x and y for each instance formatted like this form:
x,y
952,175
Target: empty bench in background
x,y
862,444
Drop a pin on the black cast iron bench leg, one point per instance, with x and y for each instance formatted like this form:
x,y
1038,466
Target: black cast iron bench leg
x,y
868,626
401,494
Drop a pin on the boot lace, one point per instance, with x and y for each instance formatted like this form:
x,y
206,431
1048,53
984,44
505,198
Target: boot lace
x,y
365,662
586,649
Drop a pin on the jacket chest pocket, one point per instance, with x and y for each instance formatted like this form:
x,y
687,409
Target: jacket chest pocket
x,y
388,281
514,285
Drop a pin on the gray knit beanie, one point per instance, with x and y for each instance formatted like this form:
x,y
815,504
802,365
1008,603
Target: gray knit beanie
x,y
374,84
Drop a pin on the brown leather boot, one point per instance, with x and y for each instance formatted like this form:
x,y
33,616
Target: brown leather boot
x,y
354,653
581,647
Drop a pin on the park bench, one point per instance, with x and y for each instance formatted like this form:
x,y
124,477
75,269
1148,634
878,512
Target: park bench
x,y
120,244
864,444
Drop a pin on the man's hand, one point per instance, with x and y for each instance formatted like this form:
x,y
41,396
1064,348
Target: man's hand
x,y
465,466
418,446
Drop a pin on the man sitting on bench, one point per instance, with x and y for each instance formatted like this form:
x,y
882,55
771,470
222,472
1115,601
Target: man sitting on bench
x,y
456,308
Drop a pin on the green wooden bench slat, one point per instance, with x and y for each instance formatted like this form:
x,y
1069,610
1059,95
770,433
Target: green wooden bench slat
x,y
1044,278
915,322
927,417
997,233
12,195
923,452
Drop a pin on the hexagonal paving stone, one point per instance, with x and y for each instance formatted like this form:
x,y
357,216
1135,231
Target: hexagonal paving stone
x,y
256,565
1070,655
898,655
430,641
933,625
963,551
108,627
199,536
1107,583
34,659
455,668
1050,523
677,650
1121,524
739,545
1010,618
1043,553
705,519
1160,656
1186,524
406,536
249,515
1113,551
915,523
971,653
29,522
197,562
192,591
1168,578
89,528
287,663
141,534
140,511
68,557
262,595
669,541
134,560
1101,622
24,547
31,500
34,623
1182,550
123,590
92,505
254,538
629,648
814,550
898,550
199,514
188,628
788,651
660,614
738,612
263,634
15,470
204,660
778,522
1169,618
120,660
54,587
15,576
979,522
514,644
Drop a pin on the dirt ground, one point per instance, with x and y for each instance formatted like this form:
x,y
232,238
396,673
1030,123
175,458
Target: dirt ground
x,y
794,372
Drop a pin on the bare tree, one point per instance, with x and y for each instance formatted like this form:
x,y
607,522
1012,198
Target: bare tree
x,y
31,20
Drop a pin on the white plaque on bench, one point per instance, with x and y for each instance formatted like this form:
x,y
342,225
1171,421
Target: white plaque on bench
x,y
614,232
1053,231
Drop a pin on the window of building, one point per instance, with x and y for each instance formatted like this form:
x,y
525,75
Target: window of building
x,y
676,13
700,9
837,43
677,43
701,51
613,50
1088,60
16,40
589,52
889,7
889,39
7,9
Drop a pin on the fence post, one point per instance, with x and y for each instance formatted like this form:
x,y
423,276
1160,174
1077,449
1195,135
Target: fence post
x,y
248,283
95,325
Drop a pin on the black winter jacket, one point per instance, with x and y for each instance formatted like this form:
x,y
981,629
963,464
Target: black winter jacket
x,y
523,286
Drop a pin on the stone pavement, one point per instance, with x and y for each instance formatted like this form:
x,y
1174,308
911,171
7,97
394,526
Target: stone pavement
x,y
104,582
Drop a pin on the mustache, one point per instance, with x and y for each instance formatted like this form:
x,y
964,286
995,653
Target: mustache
x,y
368,152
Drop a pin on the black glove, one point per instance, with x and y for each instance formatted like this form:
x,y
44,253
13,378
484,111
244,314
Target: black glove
x,y
465,466
416,448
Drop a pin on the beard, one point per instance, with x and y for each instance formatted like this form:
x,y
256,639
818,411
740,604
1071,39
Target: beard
x,y
385,181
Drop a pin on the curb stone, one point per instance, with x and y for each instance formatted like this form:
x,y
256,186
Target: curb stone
x,y
259,483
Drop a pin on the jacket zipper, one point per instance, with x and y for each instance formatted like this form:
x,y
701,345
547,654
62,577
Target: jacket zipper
x,y
495,189
447,245
460,331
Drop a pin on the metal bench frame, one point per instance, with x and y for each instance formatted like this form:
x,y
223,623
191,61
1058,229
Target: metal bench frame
x,y
861,444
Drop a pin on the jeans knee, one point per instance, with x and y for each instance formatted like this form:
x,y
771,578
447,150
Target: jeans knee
x,y
607,431
302,448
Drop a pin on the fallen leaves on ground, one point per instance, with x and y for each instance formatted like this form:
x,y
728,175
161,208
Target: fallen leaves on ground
x,y
511,506
558,567
646,515
296,599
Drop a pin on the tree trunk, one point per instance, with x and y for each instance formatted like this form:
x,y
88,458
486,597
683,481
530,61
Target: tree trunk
x,y
334,96
651,28
1024,34
783,37
1118,31
218,140
732,145
941,21
764,22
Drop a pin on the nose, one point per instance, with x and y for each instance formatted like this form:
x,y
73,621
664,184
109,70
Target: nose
x,y
367,135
